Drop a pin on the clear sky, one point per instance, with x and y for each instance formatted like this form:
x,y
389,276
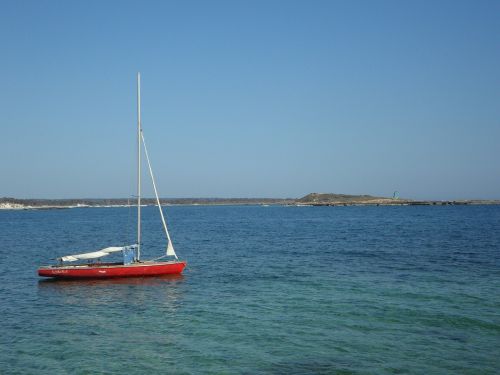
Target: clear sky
x,y
251,98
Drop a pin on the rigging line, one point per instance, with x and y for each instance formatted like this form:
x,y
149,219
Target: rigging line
x,y
155,259
156,194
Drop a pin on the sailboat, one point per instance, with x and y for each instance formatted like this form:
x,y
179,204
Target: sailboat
x,y
132,265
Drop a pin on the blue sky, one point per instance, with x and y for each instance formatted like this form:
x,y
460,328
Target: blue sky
x,y
251,98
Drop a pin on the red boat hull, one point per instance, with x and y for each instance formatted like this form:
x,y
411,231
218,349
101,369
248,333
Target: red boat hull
x,y
100,271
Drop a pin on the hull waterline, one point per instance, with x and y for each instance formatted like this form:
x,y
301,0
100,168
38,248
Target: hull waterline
x,y
108,271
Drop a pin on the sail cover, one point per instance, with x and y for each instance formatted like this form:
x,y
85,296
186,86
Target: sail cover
x,y
95,254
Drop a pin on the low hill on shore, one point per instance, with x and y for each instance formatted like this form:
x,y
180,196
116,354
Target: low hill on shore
x,y
328,198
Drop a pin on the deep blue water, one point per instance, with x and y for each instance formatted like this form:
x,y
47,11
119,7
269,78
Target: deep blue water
x,y
272,290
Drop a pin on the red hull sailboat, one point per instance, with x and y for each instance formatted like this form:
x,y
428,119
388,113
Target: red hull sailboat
x,y
105,270
132,265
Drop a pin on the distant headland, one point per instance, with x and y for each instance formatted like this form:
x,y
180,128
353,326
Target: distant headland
x,y
313,199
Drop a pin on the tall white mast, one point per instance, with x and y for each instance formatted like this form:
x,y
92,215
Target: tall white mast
x,y
138,166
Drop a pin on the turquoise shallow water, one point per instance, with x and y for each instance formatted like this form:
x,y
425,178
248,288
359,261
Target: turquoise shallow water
x,y
272,290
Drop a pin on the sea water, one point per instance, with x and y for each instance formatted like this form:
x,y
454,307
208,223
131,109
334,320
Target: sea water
x,y
271,290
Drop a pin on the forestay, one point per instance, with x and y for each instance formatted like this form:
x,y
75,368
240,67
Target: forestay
x,y
95,254
170,246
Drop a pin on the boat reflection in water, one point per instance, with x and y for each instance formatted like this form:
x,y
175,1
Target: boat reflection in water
x,y
156,280
163,292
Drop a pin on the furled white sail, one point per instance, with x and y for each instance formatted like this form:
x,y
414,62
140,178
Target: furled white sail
x,y
170,249
95,254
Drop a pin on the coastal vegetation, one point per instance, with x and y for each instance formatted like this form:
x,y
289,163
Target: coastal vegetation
x,y
313,199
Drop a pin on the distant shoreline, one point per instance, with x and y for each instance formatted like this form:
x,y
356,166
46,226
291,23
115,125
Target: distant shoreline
x,y
313,199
